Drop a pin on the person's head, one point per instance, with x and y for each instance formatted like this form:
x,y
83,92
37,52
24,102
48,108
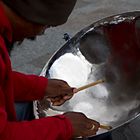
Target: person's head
x,y
31,17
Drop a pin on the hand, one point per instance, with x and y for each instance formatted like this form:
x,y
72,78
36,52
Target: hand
x,y
82,126
58,91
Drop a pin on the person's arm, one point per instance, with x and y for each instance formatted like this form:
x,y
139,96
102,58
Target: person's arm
x,y
28,87
61,127
50,128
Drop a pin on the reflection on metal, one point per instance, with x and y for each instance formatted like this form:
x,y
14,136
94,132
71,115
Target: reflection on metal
x,y
108,49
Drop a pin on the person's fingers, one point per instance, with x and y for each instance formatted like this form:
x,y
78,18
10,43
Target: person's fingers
x,y
62,98
95,124
75,90
55,99
91,128
52,99
67,97
89,133
58,103
68,91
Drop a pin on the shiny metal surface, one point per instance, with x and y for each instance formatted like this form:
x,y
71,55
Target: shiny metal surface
x,y
108,49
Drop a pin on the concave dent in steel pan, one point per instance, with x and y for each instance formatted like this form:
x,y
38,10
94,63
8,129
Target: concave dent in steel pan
x,y
108,49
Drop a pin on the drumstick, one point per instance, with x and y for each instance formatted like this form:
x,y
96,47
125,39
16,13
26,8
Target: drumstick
x,y
107,127
89,85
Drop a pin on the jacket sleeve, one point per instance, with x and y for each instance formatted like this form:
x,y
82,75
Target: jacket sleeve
x,y
28,87
50,128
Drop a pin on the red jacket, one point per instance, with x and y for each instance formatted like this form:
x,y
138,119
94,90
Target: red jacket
x,y
15,86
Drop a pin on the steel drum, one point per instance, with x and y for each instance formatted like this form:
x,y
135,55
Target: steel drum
x,y
108,49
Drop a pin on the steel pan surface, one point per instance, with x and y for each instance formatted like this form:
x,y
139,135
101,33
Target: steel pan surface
x,y
108,49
